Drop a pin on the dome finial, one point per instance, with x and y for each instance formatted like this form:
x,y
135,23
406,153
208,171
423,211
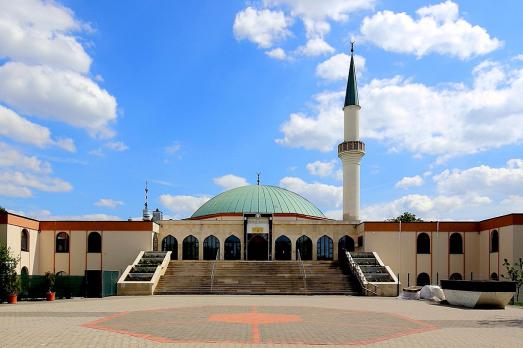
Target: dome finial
x,y
352,46
258,179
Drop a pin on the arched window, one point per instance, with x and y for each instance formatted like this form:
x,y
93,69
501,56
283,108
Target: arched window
x,y
24,271
494,276
190,247
494,242
304,248
324,248
170,243
455,276
24,240
232,246
62,242
283,248
211,248
456,243
94,243
345,243
423,244
423,279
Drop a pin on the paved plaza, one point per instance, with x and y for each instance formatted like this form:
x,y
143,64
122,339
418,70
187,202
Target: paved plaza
x,y
255,321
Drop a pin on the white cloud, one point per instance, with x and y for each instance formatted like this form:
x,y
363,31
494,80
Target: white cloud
x,y
319,194
483,180
315,47
337,67
409,181
437,30
182,206
172,149
320,168
277,53
473,193
46,215
60,95
9,157
263,27
41,32
116,146
108,203
21,130
19,174
337,10
445,121
230,181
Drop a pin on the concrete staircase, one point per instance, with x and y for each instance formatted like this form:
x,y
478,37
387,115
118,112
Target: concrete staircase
x,y
256,277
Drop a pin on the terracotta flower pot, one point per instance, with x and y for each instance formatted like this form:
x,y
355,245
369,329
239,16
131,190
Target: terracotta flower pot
x,y
12,299
50,296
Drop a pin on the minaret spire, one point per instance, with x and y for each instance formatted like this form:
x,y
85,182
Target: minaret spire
x,y
351,150
351,93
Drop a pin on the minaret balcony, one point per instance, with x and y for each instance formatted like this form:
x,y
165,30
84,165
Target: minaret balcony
x,y
358,146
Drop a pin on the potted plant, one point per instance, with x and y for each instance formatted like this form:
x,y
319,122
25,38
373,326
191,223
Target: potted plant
x,y
9,283
49,281
12,287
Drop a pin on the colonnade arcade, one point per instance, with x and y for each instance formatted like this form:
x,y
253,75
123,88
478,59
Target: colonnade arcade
x,y
231,248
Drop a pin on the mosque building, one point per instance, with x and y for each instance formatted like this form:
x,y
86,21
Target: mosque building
x,y
269,223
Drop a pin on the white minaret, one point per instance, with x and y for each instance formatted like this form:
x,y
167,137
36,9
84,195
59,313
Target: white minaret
x,y
351,150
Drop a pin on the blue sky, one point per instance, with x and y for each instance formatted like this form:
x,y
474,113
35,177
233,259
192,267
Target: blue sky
x,y
197,96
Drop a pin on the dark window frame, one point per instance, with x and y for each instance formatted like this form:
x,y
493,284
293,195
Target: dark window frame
x,y
170,243
211,247
194,244
232,248
24,240
61,243
94,246
423,244
325,248
456,243
494,241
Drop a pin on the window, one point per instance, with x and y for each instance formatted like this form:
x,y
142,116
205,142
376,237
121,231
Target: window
x,y
423,244
283,248
494,242
190,247
62,242
360,242
94,243
455,276
211,248
423,279
170,243
24,240
494,276
456,243
304,248
324,251
345,244
232,248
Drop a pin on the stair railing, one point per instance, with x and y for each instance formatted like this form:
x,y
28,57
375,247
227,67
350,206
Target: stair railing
x,y
302,270
213,268
358,273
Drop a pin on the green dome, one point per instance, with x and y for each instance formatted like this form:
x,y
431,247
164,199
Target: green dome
x,y
258,199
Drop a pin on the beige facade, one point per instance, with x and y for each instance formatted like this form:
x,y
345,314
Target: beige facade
x,y
452,249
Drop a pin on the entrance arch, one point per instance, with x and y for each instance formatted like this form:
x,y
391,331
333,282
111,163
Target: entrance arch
x,y
232,248
345,243
170,243
190,248
283,248
258,248
211,248
304,248
325,247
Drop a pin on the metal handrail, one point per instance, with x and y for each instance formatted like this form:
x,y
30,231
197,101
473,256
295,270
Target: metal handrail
x,y
213,267
302,270
356,270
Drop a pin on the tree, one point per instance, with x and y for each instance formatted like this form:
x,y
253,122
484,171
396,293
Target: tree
x,y
8,278
515,273
2,210
406,217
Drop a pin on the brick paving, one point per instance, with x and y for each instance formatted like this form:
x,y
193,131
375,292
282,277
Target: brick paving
x,y
255,321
